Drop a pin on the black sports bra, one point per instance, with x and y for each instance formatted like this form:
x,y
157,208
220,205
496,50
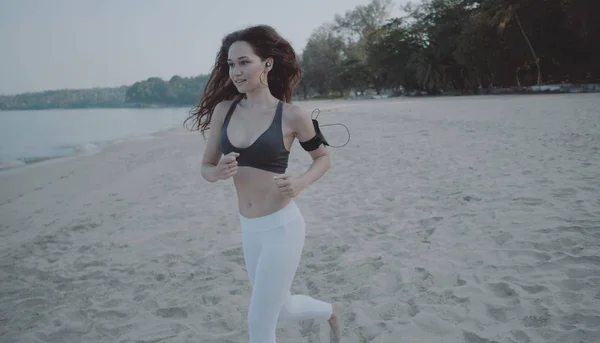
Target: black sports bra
x,y
268,152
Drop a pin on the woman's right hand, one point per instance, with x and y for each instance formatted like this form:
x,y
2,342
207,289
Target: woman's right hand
x,y
227,166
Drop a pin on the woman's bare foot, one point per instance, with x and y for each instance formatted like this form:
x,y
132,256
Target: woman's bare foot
x,y
334,322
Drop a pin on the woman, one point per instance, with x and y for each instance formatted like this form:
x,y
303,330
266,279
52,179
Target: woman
x,y
246,105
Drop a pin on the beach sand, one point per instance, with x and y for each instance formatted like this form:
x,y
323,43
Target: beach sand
x,y
451,219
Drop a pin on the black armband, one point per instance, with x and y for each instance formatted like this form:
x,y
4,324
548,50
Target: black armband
x,y
316,141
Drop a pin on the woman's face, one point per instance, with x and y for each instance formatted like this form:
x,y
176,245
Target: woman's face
x,y
245,67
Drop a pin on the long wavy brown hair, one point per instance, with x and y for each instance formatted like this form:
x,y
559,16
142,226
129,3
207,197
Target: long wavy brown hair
x,y
266,42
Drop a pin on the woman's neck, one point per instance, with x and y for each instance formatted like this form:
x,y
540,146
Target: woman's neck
x,y
259,99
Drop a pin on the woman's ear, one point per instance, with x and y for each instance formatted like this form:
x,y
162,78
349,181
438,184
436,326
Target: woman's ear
x,y
269,63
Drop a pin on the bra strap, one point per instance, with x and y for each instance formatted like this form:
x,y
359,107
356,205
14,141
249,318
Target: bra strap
x,y
230,112
279,112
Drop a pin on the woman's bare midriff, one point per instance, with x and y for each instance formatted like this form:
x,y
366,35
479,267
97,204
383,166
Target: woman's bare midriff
x,y
257,192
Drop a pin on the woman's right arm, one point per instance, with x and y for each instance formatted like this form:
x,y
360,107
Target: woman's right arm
x,y
212,152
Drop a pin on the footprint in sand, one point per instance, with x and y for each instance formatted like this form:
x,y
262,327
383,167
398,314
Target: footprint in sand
x,y
80,265
471,337
503,238
160,277
429,228
47,224
502,290
172,312
378,229
312,288
413,308
234,255
544,181
141,295
220,326
331,253
520,336
308,329
335,279
425,280
563,193
83,227
529,201
588,321
111,315
534,289
469,198
459,281
329,258
325,268
497,313
210,300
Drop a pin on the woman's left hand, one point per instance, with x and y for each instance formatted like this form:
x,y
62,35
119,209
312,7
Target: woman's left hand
x,y
288,185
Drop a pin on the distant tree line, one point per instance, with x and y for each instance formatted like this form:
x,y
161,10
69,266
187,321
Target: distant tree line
x,y
178,91
460,46
454,45
67,98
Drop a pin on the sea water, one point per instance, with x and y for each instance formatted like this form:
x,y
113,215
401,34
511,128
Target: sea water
x,y
33,136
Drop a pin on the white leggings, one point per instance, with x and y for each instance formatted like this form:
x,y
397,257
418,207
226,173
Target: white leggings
x,y
272,247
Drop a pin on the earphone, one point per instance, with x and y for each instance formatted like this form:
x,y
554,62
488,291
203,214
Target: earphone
x,y
268,64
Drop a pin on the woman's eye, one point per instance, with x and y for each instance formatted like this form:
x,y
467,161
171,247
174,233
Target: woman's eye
x,y
242,63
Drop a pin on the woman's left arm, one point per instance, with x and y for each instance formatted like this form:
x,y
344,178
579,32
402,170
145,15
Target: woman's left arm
x,y
302,125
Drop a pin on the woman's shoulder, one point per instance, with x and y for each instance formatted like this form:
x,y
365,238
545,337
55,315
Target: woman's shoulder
x,y
221,109
224,105
292,112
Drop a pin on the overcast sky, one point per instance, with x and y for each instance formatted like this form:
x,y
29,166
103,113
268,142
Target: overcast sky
x,y
54,44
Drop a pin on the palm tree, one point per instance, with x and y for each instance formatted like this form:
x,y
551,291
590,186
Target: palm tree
x,y
502,13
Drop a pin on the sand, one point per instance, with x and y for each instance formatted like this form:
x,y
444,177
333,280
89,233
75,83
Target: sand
x,y
463,219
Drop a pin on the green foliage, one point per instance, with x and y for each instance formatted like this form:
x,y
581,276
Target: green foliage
x,y
177,91
460,46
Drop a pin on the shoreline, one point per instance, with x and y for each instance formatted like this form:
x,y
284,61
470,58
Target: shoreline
x,y
86,149
116,107
529,90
